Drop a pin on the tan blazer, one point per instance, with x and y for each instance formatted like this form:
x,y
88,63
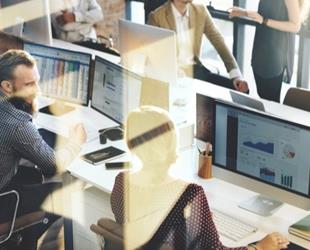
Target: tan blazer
x,y
200,22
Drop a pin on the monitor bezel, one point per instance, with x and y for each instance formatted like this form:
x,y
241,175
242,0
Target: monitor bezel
x,y
128,72
73,51
261,114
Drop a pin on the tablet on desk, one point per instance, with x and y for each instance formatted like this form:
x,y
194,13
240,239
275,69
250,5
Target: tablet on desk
x,y
103,155
246,101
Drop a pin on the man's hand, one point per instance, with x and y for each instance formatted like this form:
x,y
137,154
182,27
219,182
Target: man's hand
x,y
241,85
78,134
66,17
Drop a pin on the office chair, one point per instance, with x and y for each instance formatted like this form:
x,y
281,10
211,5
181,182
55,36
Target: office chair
x,y
11,230
298,98
110,235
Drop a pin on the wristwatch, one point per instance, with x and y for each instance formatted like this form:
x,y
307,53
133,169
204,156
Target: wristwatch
x,y
265,21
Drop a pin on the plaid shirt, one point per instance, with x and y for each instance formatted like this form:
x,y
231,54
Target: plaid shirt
x,y
19,138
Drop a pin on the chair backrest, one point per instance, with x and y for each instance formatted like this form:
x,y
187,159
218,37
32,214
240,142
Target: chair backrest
x,y
7,228
298,98
110,233
15,224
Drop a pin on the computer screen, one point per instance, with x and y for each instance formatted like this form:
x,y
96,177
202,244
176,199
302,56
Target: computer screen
x,y
64,74
115,90
27,19
149,50
268,149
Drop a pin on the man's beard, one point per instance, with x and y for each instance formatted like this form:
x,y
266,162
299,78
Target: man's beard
x,y
21,104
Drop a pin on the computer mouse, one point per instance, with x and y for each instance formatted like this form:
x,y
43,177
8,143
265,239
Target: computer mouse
x,y
113,134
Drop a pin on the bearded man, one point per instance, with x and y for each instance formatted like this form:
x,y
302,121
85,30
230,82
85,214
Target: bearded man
x,y
20,139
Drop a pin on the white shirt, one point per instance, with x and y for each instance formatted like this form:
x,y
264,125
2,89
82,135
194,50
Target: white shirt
x,y
87,13
185,44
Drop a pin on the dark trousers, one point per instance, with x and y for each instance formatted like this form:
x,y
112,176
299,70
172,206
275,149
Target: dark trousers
x,y
202,73
269,88
32,193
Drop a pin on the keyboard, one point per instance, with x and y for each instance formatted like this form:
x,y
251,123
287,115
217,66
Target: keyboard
x,y
230,227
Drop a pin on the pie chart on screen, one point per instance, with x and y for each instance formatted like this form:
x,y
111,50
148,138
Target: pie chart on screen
x,y
289,152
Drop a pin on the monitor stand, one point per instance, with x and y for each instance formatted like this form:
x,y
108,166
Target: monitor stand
x,y
261,205
57,109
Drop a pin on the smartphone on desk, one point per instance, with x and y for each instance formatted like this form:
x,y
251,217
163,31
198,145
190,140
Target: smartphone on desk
x,y
118,165
103,155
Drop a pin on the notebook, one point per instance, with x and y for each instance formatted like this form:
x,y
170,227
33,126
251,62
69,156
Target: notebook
x,y
301,228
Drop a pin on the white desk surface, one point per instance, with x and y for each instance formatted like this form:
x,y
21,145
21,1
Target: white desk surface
x,y
277,109
221,195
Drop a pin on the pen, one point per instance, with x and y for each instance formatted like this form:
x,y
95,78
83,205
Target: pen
x,y
199,150
207,149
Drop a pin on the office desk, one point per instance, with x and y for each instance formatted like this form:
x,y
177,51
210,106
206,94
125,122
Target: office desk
x,y
273,108
221,195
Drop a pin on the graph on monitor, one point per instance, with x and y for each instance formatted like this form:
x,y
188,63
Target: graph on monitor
x,y
262,147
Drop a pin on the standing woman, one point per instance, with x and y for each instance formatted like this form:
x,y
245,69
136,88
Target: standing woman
x,y
274,43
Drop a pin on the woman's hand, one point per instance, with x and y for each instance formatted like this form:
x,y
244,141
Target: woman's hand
x,y
240,12
237,12
273,241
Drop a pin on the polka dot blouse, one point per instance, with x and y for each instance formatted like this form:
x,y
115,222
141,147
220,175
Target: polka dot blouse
x,y
189,224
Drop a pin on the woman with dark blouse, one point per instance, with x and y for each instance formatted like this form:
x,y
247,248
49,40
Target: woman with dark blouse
x,y
156,209
273,51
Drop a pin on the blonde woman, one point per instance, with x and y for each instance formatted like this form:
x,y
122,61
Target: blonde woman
x,y
273,51
157,209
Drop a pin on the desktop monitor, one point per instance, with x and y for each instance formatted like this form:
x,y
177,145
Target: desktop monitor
x,y
149,50
266,154
115,90
204,117
20,19
64,74
151,86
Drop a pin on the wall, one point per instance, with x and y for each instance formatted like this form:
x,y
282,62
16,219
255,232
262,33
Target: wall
x,y
112,11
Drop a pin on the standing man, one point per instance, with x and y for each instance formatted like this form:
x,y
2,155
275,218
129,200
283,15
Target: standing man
x,y
20,139
191,21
